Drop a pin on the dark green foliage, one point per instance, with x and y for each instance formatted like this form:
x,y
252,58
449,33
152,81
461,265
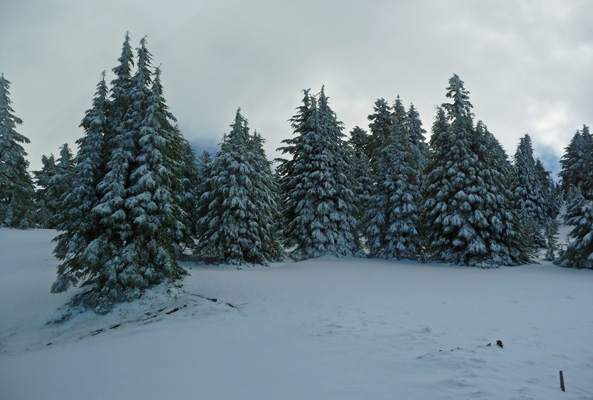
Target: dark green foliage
x,y
577,162
240,216
469,216
122,220
318,194
16,185
579,214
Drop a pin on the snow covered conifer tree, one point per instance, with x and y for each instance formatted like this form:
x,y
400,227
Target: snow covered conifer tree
x,y
149,254
577,161
380,125
79,225
466,214
319,199
181,160
60,183
239,211
43,181
417,138
393,213
527,186
362,174
16,185
132,154
579,214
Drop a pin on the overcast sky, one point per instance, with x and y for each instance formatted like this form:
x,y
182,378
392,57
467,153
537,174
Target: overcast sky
x,y
527,64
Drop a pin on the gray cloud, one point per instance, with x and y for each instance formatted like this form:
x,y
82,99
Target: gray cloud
x,y
526,63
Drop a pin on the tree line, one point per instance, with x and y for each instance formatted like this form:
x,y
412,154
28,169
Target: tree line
x,y
135,198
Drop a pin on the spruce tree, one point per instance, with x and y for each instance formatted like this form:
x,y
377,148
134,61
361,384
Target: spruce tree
x,y
43,179
240,214
579,214
527,186
180,159
576,161
79,225
60,183
468,214
393,214
361,178
318,195
417,138
128,174
16,185
380,125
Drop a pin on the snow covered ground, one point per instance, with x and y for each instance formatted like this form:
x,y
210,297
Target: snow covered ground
x,y
322,329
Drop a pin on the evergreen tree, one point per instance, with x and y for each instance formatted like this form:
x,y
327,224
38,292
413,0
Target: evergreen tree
x,y
319,199
527,186
127,192
576,161
468,213
16,185
43,179
579,214
393,213
240,214
417,139
362,179
60,183
380,126
505,230
181,160
79,225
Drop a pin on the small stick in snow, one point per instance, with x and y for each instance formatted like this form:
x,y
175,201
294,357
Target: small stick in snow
x,y
562,381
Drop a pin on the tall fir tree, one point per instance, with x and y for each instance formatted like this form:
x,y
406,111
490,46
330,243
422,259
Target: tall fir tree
x,y
128,176
59,185
417,138
320,211
180,159
467,214
380,125
362,179
79,225
393,214
43,179
527,186
16,185
579,214
240,214
577,161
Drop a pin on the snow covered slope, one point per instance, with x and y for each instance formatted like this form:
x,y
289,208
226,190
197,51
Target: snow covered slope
x,y
322,329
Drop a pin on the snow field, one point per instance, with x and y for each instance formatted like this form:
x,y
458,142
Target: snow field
x,y
320,329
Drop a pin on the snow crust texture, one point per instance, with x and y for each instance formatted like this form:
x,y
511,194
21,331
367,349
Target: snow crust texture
x,y
321,329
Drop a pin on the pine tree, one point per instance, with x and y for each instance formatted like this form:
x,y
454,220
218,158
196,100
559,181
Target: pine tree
x,y
318,196
576,161
43,179
417,139
150,256
503,234
128,174
467,212
362,179
16,185
181,160
60,183
394,207
579,214
79,225
380,126
527,186
240,215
